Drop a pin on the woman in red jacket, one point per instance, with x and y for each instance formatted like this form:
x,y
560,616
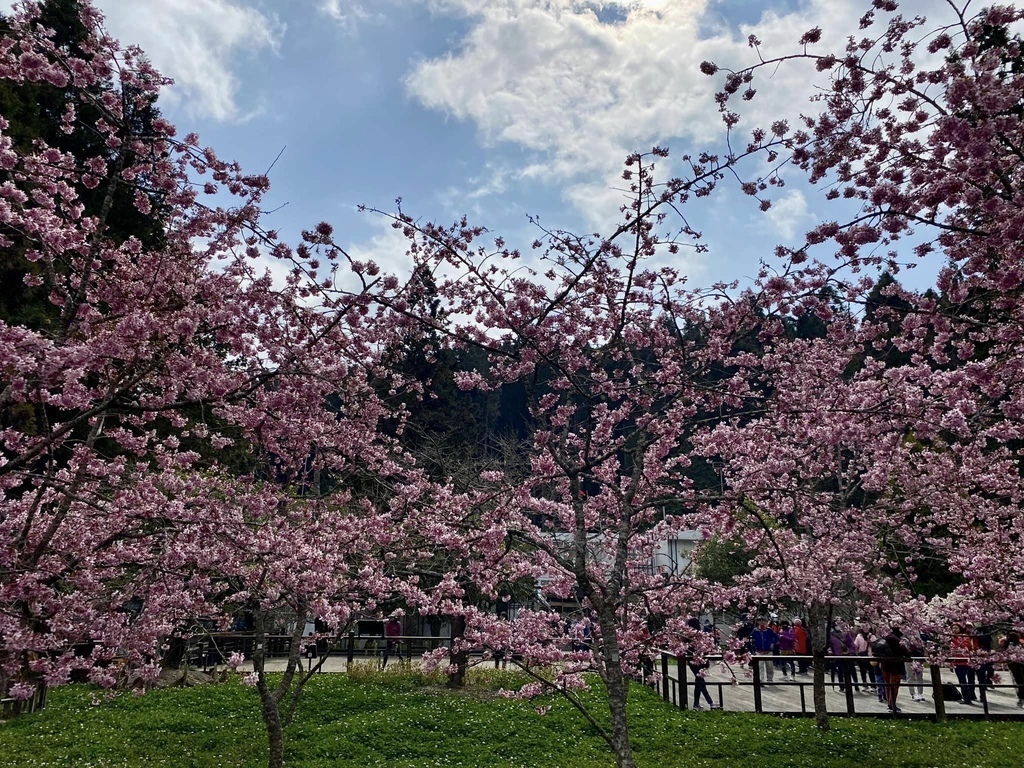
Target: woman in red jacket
x,y
964,647
801,644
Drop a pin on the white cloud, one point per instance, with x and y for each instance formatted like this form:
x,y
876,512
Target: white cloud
x,y
196,42
789,214
582,84
550,76
486,184
350,13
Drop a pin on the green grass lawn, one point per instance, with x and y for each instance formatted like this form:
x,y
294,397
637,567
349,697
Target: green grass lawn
x,y
402,720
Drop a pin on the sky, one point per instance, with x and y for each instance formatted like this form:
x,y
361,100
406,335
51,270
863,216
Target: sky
x,y
497,109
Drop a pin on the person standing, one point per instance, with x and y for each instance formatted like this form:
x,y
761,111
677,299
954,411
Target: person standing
x,y
310,651
774,626
851,664
1012,643
743,633
986,670
801,645
787,646
914,667
392,635
843,667
871,669
892,656
861,645
963,648
837,649
764,640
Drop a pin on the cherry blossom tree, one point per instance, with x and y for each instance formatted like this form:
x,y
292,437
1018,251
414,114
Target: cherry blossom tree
x,y
127,513
134,338
918,128
621,362
811,487
154,358
123,516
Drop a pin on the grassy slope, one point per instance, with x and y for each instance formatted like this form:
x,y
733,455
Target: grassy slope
x,y
401,723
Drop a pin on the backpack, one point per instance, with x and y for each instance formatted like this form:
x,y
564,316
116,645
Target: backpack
x,y
950,693
880,650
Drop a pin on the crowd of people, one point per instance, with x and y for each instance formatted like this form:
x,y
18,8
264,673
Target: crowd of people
x,y
880,662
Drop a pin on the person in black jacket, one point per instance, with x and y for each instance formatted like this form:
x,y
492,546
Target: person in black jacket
x,y
891,655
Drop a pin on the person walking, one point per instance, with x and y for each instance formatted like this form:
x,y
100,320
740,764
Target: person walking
x,y
700,685
392,635
699,670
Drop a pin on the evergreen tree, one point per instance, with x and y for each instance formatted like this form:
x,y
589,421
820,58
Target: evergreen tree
x,y
34,112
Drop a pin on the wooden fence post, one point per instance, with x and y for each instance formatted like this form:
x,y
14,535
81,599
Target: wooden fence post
x,y
757,683
940,703
664,676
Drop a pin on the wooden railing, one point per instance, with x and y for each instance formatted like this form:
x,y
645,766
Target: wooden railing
x,y
208,650
13,707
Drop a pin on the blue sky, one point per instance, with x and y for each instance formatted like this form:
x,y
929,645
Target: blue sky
x,y
493,108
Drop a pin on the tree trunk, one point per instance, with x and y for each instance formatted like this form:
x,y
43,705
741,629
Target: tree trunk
x,y
271,700
272,721
819,638
268,702
458,660
175,653
618,690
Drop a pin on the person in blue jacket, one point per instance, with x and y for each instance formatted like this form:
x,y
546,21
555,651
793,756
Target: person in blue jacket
x,y
764,639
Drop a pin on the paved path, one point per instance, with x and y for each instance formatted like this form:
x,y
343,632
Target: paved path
x,y
332,664
784,697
